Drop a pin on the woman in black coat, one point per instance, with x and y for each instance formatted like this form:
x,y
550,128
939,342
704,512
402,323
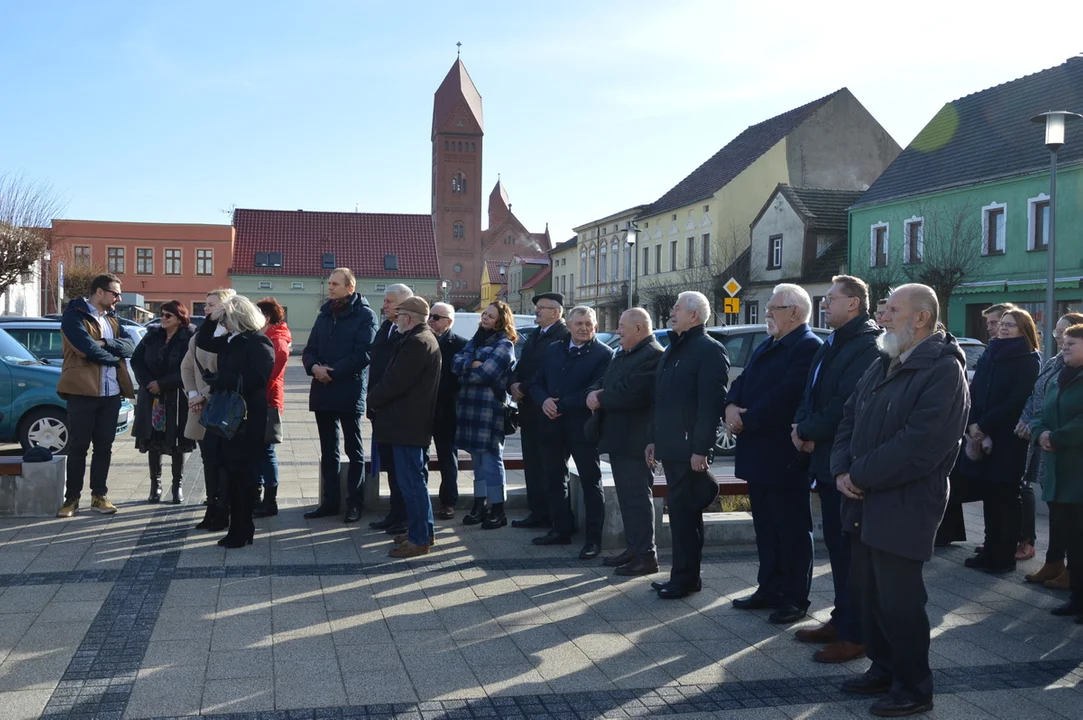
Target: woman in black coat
x,y
161,410
994,457
245,363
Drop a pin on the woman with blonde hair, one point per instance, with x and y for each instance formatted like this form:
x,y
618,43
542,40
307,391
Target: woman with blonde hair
x,y
245,363
216,517
483,368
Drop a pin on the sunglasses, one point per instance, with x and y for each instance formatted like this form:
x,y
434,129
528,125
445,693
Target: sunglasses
x,y
434,316
166,315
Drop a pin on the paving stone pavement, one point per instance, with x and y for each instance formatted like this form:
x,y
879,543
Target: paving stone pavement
x,y
138,615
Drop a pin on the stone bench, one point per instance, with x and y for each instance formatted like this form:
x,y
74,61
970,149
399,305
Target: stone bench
x,y
31,489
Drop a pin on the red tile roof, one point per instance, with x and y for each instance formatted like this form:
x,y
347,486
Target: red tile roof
x,y
492,271
538,277
359,241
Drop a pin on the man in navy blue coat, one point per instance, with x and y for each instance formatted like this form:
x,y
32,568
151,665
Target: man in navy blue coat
x,y
760,411
838,365
560,389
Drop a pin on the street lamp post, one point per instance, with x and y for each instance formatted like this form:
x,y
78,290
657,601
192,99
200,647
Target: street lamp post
x,y
443,290
1054,137
630,239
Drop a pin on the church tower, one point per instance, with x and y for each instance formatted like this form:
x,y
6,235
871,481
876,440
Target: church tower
x,y
457,132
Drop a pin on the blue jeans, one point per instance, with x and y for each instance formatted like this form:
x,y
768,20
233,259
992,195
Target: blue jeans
x,y
268,467
409,469
489,477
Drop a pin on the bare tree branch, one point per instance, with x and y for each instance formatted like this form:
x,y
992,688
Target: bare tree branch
x,y
952,249
27,209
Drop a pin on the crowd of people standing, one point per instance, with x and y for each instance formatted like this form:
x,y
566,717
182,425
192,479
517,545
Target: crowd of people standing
x,y
879,420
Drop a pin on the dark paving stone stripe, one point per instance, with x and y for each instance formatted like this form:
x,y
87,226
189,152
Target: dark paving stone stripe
x,y
101,676
669,700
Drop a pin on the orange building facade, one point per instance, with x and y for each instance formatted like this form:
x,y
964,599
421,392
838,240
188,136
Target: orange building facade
x,y
160,261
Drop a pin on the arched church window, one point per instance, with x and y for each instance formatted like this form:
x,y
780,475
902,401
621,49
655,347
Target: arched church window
x,y
458,182
445,144
473,147
459,231
460,147
458,268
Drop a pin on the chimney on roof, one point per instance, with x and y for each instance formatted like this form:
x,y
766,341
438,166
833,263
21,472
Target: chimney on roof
x,y
300,210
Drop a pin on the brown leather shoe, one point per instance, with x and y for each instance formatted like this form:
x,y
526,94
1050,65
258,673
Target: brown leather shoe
x,y
1061,582
839,651
408,550
400,539
826,633
617,560
1048,571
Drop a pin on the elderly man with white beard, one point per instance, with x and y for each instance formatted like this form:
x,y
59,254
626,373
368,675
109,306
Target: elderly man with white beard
x,y
897,442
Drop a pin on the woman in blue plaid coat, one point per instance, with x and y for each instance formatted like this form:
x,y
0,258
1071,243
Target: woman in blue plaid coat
x,y
483,368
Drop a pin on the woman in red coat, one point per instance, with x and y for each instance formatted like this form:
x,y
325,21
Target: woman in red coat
x,y
279,335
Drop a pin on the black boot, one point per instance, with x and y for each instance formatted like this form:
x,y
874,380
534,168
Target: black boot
x,y
221,506
496,518
177,465
269,506
477,513
241,527
154,459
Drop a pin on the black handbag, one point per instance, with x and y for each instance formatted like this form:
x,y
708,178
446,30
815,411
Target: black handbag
x,y
511,419
226,411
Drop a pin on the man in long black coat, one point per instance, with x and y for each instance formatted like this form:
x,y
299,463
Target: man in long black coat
x,y
383,348
897,442
623,408
548,312
441,320
337,357
838,365
689,394
560,388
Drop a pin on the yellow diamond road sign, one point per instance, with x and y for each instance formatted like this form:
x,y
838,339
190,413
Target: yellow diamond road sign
x,y
732,287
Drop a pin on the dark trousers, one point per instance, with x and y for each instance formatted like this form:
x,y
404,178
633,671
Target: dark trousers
x,y
90,420
782,518
843,616
176,460
1027,531
1055,553
241,486
634,480
689,492
387,465
537,499
1067,518
327,423
213,477
889,595
558,448
1003,511
447,456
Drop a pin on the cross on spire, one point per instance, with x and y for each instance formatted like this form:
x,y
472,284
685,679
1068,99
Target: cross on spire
x,y
458,50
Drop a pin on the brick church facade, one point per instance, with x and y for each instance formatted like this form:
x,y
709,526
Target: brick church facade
x,y
462,247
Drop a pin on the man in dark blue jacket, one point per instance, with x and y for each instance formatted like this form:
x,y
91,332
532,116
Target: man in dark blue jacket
x,y
839,364
560,389
337,358
762,403
689,393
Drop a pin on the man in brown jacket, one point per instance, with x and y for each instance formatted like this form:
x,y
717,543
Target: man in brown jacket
x,y
93,379
401,407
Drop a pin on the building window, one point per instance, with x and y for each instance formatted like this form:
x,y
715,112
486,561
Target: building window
x,y
706,208
458,231
264,285
603,265
627,262
458,182
81,255
204,262
706,249
614,253
380,287
583,264
646,269
657,258
458,268
144,261
591,267
878,245
673,255
994,229
329,261
391,262
1038,223
269,259
821,314
297,285
753,310
774,255
914,240
674,217
690,252
173,261
116,260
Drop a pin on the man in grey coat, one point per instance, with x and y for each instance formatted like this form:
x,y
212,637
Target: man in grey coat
x,y
897,442
623,407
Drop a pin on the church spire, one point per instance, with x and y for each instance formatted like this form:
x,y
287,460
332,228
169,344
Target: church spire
x,y
457,90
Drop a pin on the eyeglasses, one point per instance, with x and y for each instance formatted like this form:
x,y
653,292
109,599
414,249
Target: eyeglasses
x,y
1008,324
167,315
775,308
117,295
828,299
434,316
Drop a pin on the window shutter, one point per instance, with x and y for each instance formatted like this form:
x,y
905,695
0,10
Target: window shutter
x,y
1002,230
887,253
906,241
921,241
872,246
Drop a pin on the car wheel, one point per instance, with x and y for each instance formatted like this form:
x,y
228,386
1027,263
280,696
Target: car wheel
x,y
725,443
45,427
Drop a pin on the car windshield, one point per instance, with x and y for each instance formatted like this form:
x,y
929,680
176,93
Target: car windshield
x,y
14,353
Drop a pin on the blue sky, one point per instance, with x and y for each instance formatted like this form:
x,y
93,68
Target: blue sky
x,y
174,111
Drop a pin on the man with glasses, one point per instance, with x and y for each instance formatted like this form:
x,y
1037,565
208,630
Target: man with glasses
x,y
760,410
93,379
549,314
441,319
838,365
